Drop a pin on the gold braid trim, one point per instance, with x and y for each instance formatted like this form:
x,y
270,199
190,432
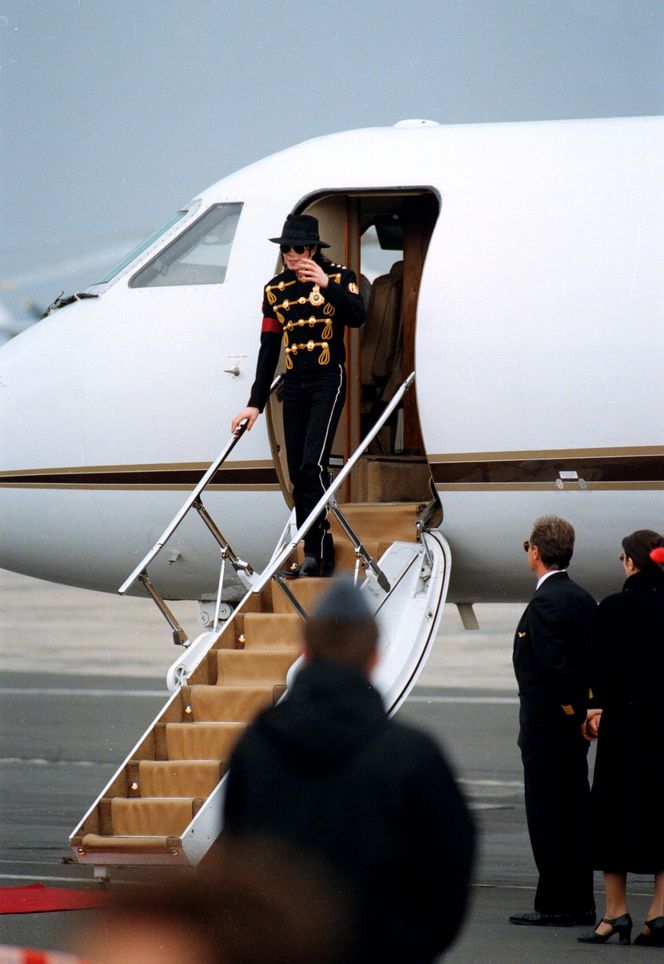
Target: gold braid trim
x,y
327,331
278,287
308,346
311,321
315,298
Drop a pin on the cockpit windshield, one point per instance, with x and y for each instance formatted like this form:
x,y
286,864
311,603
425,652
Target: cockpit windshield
x,y
199,256
140,248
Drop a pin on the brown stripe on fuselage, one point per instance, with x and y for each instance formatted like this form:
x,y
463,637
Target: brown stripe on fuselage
x,y
617,468
600,469
256,475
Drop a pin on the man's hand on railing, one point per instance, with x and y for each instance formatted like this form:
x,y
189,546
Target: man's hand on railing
x,y
250,413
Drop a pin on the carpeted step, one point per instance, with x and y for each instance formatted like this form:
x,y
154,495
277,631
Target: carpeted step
x,y
200,741
306,591
157,816
345,553
277,630
94,843
227,703
181,778
377,525
378,521
250,666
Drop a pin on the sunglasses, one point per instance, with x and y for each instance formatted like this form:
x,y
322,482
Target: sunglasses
x,y
297,248
526,545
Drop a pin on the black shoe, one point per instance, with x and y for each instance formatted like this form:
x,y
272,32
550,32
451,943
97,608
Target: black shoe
x,y
292,572
656,936
622,926
310,567
535,918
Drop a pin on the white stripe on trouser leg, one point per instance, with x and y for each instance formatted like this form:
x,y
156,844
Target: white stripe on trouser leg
x,y
320,455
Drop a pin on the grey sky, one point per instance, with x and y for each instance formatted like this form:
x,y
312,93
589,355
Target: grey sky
x,y
114,114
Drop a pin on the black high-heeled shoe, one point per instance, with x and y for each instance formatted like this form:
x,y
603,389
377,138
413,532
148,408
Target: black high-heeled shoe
x,y
656,936
622,926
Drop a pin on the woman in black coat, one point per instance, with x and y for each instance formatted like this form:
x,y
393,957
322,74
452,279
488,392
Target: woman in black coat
x,y
628,785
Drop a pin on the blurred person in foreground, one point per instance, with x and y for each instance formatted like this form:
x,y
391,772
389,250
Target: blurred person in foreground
x,y
552,667
252,902
628,787
326,771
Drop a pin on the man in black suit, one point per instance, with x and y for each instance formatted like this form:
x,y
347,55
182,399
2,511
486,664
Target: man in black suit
x,y
551,663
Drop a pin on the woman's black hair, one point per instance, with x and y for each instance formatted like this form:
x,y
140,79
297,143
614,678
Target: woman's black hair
x,y
638,547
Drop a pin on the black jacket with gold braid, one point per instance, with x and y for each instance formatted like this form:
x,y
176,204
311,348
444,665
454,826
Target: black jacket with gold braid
x,y
309,321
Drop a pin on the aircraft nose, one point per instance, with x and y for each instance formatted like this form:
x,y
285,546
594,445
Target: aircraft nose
x,y
44,376
41,390
106,417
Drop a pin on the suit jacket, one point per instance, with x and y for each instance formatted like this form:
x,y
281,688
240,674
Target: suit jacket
x,y
552,646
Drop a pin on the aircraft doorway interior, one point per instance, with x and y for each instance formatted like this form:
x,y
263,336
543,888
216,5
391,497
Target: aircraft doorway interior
x,y
383,236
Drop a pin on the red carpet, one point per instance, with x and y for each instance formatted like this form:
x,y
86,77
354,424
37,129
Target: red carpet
x,y
39,899
27,955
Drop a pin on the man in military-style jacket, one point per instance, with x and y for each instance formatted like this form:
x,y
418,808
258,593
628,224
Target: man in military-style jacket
x,y
552,665
306,309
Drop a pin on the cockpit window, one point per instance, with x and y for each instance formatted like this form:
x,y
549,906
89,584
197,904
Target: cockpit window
x,y
143,246
199,256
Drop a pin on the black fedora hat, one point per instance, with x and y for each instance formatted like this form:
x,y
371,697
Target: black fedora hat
x,y
300,229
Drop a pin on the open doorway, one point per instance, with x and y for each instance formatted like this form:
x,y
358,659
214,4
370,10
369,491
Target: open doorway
x,y
383,236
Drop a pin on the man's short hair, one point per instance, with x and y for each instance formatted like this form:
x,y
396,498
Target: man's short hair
x,y
341,628
554,537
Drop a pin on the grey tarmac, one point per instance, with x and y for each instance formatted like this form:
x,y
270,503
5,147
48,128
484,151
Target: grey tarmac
x,y
66,721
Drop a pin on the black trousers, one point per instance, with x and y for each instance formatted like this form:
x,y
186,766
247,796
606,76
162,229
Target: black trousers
x,y
312,408
557,793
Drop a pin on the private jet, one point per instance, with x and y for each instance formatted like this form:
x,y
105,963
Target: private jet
x,y
510,367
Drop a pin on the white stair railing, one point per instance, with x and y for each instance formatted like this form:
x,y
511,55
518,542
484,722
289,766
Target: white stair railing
x,y
289,540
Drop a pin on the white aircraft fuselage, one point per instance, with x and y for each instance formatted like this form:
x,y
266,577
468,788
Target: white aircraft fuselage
x,y
536,331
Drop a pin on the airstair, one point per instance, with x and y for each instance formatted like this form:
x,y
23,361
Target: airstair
x,y
164,804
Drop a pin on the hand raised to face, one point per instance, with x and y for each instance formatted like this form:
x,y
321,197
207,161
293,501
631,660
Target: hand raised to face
x,y
310,271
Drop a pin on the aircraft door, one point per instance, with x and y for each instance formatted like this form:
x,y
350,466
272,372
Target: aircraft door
x,y
383,236
339,227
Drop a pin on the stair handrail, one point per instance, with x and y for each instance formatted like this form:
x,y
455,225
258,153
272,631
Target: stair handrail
x,y
254,581
279,559
189,503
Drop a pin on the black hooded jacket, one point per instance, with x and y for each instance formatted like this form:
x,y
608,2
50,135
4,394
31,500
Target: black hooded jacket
x,y
328,772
